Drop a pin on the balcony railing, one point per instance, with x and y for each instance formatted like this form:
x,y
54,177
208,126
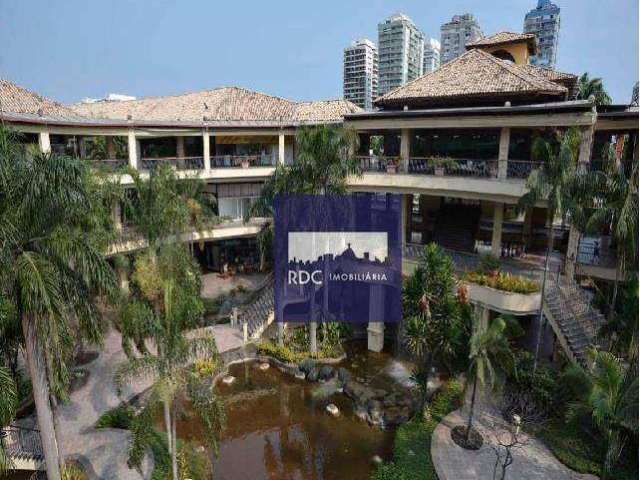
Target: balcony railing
x,y
521,168
109,164
376,163
21,442
182,163
242,161
459,167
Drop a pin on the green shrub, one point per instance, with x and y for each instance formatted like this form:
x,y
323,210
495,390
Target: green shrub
x,y
203,368
503,281
488,263
281,352
118,417
572,447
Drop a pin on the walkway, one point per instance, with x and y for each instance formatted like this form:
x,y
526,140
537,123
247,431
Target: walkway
x,y
104,452
532,461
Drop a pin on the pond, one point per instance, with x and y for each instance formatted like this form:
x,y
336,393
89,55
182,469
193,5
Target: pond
x,y
278,428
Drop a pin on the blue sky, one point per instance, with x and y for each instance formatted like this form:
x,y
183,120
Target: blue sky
x,y
72,49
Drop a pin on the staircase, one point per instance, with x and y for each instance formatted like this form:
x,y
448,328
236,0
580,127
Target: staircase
x,y
456,227
258,314
575,322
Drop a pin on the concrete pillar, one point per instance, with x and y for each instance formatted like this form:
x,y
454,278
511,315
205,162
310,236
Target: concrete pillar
x,y
405,149
111,148
482,315
180,147
313,337
404,199
133,149
281,334
206,149
123,279
281,148
245,332
584,157
496,236
375,329
44,142
503,152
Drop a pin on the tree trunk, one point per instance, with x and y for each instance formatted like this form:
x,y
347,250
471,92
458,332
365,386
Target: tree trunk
x,y
544,284
614,296
472,407
38,372
174,453
167,424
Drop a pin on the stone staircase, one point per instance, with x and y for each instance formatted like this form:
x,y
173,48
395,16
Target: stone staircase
x,y
575,322
258,314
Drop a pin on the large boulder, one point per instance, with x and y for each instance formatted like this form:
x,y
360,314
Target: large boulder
x,y
306,365
326,373
312,376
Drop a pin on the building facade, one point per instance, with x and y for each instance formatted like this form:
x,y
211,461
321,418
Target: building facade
x,y
401,52
360,73
431,55
544,22
455,35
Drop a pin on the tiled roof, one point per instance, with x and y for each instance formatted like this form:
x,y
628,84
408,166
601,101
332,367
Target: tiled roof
x,y
230,104
18,100
474,75
502,38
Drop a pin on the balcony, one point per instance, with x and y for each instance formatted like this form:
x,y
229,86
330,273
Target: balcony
x,y
242,161
109,165
178,163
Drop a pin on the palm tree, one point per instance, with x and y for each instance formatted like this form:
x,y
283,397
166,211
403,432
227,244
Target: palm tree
x,y
615,190
325,159
551,183
610,401
489,352
167,305
436,324
8,404
588,87
50,269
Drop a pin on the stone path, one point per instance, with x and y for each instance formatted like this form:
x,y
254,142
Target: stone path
x,y
104,452
533,461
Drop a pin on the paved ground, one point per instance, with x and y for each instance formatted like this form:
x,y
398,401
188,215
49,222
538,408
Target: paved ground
x,y
104,452
213,285
533,461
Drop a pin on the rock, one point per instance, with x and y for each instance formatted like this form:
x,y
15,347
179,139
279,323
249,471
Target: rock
x,y
306,365
396,415
376,460
325,373
343,374
312,376
263,366
200,449
333,410
300,375
228,380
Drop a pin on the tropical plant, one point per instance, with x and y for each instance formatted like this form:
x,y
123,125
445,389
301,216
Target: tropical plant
x,y
8,404
436,321
50,270
588,87
610,401
551,183
325,159
167,304
489,355
614,201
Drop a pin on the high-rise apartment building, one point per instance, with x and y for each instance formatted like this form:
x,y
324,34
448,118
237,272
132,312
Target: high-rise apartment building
x,y
400,48
361,73
454,35
431,55
544,22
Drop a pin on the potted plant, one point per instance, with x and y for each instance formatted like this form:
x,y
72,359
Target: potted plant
x,y
392,165
440,165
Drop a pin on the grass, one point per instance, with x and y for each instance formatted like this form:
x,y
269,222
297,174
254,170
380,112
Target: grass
x,y
289,355
412,445
571,447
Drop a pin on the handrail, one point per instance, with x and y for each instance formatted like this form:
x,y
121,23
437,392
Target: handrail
x,y
21,441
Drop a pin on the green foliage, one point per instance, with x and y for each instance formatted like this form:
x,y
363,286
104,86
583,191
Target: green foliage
x,y
281,352
488,263
412,446
588,87
72,471
8,405
118,417
503,281
204,368
572,446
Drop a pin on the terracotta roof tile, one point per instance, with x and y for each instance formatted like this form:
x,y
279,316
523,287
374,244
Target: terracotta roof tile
x,y
18,100
475,74
502,38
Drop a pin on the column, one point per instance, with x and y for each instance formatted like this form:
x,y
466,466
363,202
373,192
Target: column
x,y
123,278
116,213
281,148
44,142
206,149
496,237
180,147
133,149
482,316
375,329
405,149
584,157
403,218
503,152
